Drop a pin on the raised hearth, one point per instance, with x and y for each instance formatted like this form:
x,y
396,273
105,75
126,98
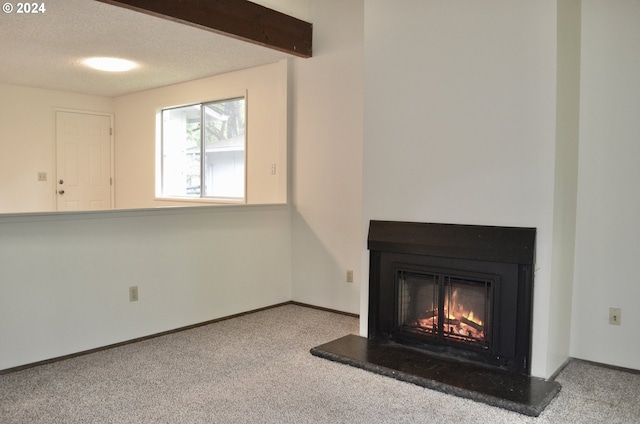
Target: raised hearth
x,y
508,390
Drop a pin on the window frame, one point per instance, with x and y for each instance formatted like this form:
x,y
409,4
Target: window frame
x,y
159,176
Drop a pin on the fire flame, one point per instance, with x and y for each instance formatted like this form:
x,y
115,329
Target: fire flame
x,y
458,322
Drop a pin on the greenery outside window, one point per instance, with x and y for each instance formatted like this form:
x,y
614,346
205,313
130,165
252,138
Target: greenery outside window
x,y
203,150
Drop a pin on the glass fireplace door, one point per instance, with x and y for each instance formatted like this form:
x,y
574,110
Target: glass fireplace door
x,y
444,307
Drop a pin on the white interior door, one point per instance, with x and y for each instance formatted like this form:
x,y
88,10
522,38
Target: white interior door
x,y
83,152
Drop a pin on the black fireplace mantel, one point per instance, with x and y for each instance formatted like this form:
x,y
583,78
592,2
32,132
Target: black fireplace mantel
x,y
488,243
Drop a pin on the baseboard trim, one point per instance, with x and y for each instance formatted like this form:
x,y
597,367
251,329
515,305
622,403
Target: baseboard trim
x,y
611,367
560,369
163,333
320,308
595,364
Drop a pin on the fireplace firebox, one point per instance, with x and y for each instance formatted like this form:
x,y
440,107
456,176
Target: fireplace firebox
x,y
459,291
444,307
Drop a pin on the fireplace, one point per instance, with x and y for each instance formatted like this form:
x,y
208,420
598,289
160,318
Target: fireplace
x,y
458,291
450,309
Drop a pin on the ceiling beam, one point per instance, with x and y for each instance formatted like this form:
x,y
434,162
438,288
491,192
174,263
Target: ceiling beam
x,y
240,19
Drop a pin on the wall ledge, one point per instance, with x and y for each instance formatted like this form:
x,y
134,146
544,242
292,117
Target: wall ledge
x,y
136,213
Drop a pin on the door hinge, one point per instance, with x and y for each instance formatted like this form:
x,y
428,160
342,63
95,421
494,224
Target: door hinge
x,y
110,131
111,180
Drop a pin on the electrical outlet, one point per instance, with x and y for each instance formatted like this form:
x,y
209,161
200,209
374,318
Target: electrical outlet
x,y
615,316
273,169
133,294
349,276
42,176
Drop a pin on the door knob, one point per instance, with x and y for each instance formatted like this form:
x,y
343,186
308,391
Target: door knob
x,y
60,191
61,182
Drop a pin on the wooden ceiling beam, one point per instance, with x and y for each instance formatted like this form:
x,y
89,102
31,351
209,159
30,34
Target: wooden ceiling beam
x,y
240,19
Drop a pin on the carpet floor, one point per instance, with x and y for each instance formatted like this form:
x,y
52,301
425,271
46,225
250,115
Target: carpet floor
x,y
257,369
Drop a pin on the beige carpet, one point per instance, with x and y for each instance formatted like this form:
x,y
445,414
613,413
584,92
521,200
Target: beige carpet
x,y
257,369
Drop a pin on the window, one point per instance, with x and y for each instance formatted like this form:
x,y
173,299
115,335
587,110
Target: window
x,y
203,150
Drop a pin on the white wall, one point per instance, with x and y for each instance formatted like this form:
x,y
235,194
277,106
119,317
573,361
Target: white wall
x,y
64,278
27,143
607,247
297,8
566,182
460,121
135,137
327,158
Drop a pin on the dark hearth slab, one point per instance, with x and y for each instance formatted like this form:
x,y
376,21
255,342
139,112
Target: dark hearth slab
x,y
515,392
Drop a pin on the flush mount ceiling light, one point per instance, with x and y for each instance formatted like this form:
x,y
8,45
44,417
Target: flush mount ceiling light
x,y
110,64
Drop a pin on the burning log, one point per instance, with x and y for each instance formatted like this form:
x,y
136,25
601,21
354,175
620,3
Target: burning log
x,y
473,324
457,326
428,320
452,321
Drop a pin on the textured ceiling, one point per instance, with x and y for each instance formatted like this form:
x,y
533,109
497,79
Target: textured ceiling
x,y
45,50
